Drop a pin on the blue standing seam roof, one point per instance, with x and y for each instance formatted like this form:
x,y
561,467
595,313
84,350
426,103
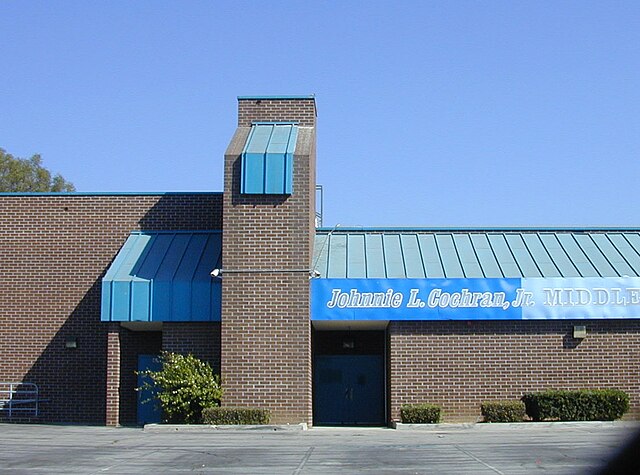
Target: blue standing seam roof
x,y
164,276
418,254
267,158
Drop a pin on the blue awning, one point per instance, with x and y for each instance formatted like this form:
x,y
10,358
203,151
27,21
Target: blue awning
x,y
267,159
164,276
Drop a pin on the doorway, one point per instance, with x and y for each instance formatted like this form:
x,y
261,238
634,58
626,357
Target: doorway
x,y
349,383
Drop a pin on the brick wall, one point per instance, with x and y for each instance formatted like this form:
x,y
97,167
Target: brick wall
x,y
201,339
461,364
301,110
55,250
266,350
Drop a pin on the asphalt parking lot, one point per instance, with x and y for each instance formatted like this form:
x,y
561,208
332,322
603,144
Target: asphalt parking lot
x,y
478,449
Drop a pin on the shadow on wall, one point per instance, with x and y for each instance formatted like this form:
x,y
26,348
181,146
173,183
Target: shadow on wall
x,y
70,370
72,380
183,212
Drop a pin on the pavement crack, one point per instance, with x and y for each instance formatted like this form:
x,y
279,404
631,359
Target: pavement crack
x,y
304,460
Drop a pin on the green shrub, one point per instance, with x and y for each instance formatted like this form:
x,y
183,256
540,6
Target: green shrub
x,y
420,414
580,405
185,385
235,416
503,411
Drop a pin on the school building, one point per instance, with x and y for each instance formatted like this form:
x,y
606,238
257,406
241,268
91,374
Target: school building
x,y
328,326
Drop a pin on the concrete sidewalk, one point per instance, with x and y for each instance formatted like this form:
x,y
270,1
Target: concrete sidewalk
x,y
445,448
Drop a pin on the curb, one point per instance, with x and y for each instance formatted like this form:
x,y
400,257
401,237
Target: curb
x,y
488,426
165,428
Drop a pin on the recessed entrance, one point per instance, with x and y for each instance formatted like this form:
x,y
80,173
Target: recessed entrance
x,y
349,378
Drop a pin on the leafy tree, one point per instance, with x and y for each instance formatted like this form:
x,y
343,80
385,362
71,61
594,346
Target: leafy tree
x,y
28,174
185,386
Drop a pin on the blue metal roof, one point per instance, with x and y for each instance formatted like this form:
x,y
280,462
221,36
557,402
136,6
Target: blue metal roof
x,y
494,253
267,158
164,276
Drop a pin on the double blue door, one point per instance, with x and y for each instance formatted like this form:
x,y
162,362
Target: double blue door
x,y
349,390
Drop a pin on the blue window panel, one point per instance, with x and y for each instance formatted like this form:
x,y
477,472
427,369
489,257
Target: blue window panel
x,y
486,258
412,256
540,255
357,265
522,256
592,251
430,256
577,256
627,251
375,257
393,258
559,255
468,259
504,257
337,268
613,256
449,255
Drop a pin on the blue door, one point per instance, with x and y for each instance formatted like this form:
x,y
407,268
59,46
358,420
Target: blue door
x,y
349,390
149,411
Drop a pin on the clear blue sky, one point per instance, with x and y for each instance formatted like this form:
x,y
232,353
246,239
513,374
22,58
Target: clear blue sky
x,y
430,113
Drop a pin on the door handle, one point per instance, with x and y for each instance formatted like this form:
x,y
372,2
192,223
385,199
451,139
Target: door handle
x,y
348,394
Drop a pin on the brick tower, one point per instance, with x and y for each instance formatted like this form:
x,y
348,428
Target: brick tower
x,y
268,223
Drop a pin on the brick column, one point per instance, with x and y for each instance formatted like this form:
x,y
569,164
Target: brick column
x,y
113,375
267,250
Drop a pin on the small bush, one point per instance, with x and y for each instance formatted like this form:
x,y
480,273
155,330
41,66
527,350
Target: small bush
x,y
503,411
420,414
235,416
580,405
185,385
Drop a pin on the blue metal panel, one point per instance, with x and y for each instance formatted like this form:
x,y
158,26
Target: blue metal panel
x,y
627,252
183,280
486,258
449,256
503,255
612,255
540,255
430,256
481,254
321,253
267,159
559,256
522,256
412,256
140,300
393,258
579,259
375,257
357,265
337,267
468,259
594,255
